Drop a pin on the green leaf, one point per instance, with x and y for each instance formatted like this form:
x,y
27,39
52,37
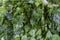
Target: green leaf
x,y
55,37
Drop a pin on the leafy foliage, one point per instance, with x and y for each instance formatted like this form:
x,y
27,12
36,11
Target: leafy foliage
x,y
29,19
